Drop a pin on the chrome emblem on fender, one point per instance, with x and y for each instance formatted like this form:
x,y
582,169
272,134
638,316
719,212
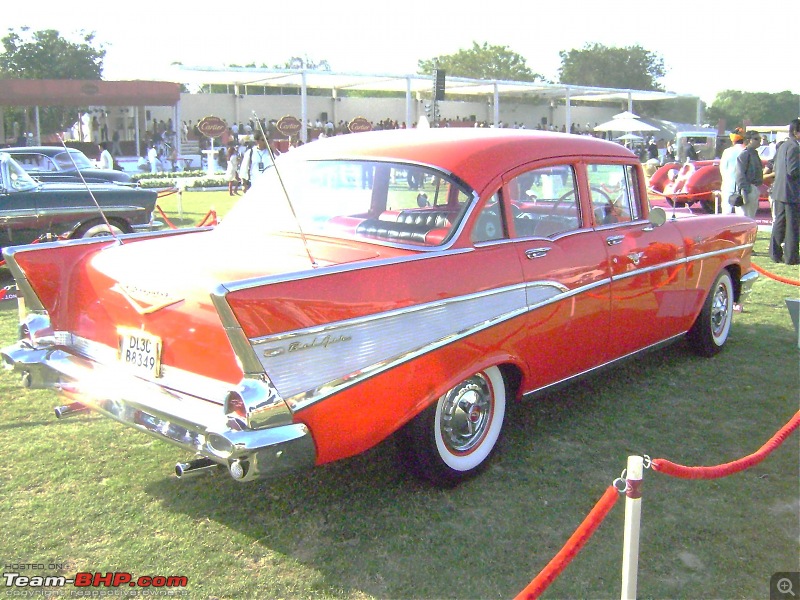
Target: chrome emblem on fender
x,y
316,342
145,301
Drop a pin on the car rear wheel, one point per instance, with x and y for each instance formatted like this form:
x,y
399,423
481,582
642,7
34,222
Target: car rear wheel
x,y
453,439
710,331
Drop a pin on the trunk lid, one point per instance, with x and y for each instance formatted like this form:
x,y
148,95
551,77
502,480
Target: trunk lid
x,y
157,291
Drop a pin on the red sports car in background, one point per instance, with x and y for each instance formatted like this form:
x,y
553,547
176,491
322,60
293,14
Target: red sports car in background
x,y
410,282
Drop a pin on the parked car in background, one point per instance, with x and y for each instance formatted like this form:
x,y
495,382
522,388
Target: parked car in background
x,y
30,209
413,284
52,163
693,182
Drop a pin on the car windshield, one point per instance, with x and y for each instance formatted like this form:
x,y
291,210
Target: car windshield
x,y
63,160
379,201
18,178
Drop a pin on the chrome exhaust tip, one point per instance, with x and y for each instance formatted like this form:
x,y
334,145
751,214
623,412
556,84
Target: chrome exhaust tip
x,y
70,410
194,467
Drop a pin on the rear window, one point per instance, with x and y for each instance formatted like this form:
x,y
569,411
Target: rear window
x,y
378,201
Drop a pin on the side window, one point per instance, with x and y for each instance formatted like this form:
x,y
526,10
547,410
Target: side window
x,y
46,164
633,192
545,202
489,225
615,193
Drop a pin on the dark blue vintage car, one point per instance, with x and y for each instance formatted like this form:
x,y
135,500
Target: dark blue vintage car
x,y
52,163
30,209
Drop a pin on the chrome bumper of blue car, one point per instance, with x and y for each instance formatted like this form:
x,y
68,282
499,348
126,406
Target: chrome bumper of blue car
x,y
746,284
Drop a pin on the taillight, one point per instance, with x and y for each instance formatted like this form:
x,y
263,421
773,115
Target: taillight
x,y
234,405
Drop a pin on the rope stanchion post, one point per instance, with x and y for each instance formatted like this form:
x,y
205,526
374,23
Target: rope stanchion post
x,y
633,514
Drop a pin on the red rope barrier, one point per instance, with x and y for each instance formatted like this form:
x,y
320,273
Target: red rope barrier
x,y
775,277
209,220
678,196
582,534
166,219
683,472
167,192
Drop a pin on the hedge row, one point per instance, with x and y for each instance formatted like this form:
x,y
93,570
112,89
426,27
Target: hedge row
x,y
191,179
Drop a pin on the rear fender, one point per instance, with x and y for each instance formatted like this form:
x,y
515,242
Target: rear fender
x,y
660,178
704,179
43,271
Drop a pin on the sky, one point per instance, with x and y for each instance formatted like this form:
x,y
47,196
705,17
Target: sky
x,y
707,46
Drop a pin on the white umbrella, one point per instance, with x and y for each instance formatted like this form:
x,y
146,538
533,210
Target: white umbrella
x,y
629,137
625,121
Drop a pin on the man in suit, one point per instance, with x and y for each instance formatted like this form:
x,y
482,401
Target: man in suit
x,y
785,242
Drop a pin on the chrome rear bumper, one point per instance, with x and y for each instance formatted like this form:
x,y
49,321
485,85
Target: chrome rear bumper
x,y
194,424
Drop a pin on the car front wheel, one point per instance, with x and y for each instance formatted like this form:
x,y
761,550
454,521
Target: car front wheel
x,y
98,229
453,439
710,331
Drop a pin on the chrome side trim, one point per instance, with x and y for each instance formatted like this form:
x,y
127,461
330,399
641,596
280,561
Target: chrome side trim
x,y
680,261
718,252
337,354
650,269
309,365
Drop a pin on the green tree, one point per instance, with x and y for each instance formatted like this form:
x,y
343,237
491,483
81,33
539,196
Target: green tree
x,y
481,62
597,65
46,54
757,108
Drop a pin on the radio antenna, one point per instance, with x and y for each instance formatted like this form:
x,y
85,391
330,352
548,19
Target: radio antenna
x,y
286,193
88,189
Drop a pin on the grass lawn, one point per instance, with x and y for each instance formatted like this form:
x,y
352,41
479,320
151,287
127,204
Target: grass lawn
x,y
92,495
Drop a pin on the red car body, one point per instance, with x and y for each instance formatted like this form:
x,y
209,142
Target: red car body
x,y
526,260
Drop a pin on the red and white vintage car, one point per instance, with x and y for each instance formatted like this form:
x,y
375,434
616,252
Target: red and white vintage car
x,y
694,182
417,282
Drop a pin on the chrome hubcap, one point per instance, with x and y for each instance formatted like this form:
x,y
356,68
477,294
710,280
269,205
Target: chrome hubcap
x,y
719,310
466,413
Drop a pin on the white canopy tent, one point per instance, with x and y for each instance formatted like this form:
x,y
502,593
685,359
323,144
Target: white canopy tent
x,y
413,86
626,122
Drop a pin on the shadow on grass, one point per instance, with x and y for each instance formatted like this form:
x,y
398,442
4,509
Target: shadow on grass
x,y
369,527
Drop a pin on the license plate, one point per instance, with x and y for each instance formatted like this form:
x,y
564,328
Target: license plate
x,y
140,352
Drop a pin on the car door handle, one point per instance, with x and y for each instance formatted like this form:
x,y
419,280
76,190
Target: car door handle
x,y
537,252
613,240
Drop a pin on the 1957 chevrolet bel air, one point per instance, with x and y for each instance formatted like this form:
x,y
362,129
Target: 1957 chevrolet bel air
x,y
405,282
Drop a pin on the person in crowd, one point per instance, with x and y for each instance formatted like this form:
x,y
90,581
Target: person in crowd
x,y
232,170
669,154
686,150
652,149
255,161
749,174
106,160
116,150
152,158
785,242
727,167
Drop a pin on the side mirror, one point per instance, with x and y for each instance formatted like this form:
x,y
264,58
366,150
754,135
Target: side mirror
x,y
657,216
